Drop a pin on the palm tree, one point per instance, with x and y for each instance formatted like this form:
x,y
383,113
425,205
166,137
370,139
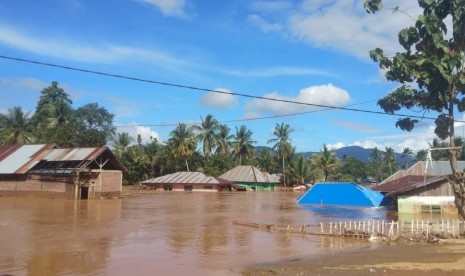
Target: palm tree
x,y
282,143
182,142
390,159
207,133
120,144
242,144
325,161
223,140
301,169
15,127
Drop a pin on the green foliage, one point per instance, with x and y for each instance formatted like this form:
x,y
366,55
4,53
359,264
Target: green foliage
x,y
325,161
15,127
242,145
352,170
431,70
207,133
94,126
217,164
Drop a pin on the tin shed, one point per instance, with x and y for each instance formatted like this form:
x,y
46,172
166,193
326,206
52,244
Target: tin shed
x,y
341,193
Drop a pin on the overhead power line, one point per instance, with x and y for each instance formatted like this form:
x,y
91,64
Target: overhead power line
x,y
208,90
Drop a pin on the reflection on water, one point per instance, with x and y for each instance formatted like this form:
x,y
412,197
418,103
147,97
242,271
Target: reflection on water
x,y
162,233
342,213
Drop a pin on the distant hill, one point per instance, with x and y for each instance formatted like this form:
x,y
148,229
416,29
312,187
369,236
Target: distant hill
x,y
356,152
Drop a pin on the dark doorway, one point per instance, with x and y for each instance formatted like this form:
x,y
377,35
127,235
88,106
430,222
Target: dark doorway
x,y
84,192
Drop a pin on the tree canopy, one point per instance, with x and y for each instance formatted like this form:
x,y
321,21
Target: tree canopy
x,y
431,73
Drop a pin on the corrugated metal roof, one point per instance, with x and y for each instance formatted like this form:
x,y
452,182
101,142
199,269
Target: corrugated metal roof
x,y
431,168
401,183
420,184
341,193
19,158
248,174
185,178
73,154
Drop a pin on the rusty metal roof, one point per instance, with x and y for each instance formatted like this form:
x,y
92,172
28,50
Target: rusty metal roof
x,y
414,186
74,154
402,183
186,178
19,159
248,174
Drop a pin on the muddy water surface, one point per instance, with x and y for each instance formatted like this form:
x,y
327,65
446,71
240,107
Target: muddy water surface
x,y
163,233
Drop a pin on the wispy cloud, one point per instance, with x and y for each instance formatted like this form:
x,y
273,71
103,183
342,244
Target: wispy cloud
x,y
263,24
328,95
168,7
93,52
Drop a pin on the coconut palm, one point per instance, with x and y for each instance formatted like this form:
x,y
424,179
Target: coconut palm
x,y
326,161
120,144
15,127
207,133
301,169
242,144
282,143
223,140
390,159
182,142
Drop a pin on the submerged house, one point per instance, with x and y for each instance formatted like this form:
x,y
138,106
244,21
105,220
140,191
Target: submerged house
x,y
188,181
251,178
70,173
341,193
423,188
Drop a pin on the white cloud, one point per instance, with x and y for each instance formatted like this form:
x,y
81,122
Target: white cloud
x,y
263,24
93,52
146,133
219,100
326,95
168,7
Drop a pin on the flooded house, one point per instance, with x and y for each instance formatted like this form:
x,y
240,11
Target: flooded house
x,y
189,182
69,173
251,178
423,188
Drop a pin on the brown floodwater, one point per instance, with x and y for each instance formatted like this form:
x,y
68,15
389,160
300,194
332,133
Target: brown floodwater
x,y
162,233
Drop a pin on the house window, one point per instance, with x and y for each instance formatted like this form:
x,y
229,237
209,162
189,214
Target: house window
x,y
188,188
167,187
208,187
431,209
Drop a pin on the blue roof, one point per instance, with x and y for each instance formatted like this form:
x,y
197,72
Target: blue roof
x,y
341,193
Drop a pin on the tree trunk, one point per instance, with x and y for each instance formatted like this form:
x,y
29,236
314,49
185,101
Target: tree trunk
x,y
457,182
456,179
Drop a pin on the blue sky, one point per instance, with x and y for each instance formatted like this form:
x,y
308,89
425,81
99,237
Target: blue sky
x,y
310,51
